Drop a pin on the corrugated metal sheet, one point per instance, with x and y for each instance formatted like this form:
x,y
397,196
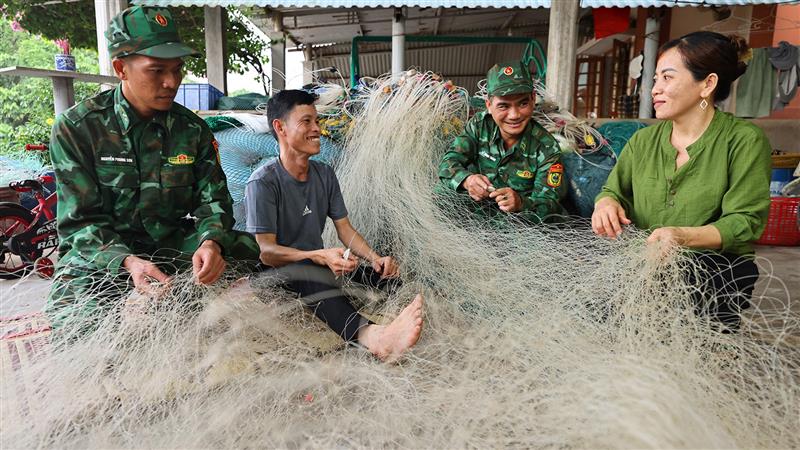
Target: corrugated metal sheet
x,y
354,3
444,3
464,64
670,3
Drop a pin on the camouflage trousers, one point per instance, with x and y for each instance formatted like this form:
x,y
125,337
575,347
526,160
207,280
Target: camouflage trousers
x,y
81,296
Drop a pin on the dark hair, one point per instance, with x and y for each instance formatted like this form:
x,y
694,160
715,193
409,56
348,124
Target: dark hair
x,y
281,104
706,52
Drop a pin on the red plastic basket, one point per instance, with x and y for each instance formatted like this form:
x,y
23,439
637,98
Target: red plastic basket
x,y
782,222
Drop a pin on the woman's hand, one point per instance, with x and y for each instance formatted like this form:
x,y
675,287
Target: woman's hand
x,y
608,218
671,236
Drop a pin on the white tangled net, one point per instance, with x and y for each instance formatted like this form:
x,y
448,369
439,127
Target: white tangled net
x,y
534,337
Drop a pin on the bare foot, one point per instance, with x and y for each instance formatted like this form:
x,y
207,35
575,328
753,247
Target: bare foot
x,y
389,342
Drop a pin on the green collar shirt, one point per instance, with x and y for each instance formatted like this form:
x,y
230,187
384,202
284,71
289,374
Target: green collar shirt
x,y
725,183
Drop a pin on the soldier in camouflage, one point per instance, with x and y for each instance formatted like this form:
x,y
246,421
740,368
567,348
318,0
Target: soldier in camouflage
x,y
504,160
138,175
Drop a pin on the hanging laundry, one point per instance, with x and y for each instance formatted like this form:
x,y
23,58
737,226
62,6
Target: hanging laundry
x,y
786,58
756,87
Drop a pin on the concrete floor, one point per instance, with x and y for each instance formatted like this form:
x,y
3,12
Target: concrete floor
x,y
777,287
783,263
777,293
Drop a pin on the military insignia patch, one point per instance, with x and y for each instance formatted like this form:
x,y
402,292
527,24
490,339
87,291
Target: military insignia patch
x,y
161,20
181,159
527,174
215,143
508,70
554,175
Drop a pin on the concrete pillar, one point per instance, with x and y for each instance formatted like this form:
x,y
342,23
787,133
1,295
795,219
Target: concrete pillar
x,y
562,45
308,65
63,94
104,11
278,65
398,41
278,53
648,68
216,54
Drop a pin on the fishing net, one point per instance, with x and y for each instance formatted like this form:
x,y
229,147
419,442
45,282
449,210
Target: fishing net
x,y
543,336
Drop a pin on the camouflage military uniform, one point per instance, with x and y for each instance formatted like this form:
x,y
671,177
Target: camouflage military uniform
x,y
126,185
532,167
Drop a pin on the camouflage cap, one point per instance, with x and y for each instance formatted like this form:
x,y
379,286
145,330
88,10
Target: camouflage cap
x,y
509,78
145,31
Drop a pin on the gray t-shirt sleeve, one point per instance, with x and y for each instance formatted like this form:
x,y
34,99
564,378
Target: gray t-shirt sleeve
x,y
261,210
337,210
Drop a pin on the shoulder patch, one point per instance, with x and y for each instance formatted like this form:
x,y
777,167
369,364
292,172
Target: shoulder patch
x,y
555,175
215,144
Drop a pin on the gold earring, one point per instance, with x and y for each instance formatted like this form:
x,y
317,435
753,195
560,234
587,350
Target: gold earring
x,y
704,104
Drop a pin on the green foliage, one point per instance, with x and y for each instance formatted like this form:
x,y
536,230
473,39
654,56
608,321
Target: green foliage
x,y
76,21
26,104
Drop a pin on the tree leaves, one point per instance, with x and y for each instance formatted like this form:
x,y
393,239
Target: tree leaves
x,y
76,22
27,103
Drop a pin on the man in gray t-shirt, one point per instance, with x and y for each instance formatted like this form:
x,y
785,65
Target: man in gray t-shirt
x,y
293,210
287,203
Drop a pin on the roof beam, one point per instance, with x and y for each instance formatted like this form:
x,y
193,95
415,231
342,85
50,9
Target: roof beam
x,y
507,23
420,17
438,15
359,22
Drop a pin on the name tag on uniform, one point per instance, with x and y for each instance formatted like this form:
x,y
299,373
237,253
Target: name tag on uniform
x,y
116,159
486,155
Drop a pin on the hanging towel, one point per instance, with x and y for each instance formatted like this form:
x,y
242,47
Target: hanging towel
x,y
756,88
786,58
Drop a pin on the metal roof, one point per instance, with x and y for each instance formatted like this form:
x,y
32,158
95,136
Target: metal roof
x,y
673,3
448,3
354,3
465,65
323,22
312,26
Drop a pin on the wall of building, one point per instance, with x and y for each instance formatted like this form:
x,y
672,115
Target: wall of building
x,y
689,19
783,26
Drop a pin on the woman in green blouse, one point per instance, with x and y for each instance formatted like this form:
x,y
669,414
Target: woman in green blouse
x,y
699,179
